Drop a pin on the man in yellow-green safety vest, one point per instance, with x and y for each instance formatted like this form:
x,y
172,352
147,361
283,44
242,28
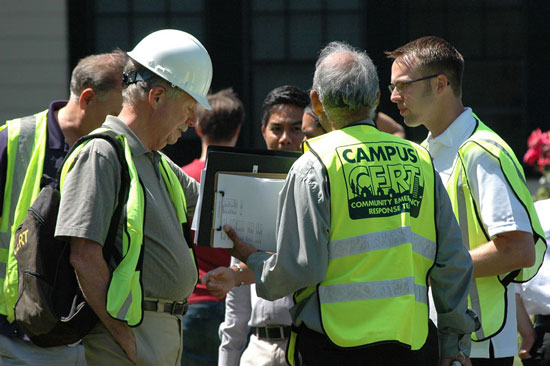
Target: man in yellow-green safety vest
x,y
31,149
486,185
141,297
363,222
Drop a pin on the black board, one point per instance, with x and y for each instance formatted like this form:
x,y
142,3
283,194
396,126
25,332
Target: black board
x,y
233,159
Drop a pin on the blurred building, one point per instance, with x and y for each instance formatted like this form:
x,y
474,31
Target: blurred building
x,y
257,45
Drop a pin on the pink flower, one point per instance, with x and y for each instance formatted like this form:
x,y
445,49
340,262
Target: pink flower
x,y
531,156
534,138
538,154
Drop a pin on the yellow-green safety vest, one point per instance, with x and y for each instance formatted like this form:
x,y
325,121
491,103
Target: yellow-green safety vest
x,y
488,294
125,293
382,240
26,148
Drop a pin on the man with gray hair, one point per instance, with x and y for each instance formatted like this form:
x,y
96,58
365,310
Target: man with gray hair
x,y
140,293
95,92
363,222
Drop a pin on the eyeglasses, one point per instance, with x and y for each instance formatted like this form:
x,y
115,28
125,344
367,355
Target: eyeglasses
x,y
402,85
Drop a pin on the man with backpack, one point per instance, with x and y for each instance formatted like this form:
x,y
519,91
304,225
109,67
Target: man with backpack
x,y
141,294
95,91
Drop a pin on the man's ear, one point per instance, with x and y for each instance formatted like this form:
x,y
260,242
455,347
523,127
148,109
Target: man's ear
x,y
238,131
263,133
157,95
442,83
316,103
198,130
86,98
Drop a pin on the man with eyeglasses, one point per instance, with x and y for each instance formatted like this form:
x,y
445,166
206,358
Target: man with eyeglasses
x,y
486,185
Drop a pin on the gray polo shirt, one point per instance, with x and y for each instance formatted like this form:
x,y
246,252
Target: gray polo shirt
x,y
89,197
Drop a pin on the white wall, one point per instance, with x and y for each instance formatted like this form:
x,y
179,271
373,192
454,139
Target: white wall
x,y
33,56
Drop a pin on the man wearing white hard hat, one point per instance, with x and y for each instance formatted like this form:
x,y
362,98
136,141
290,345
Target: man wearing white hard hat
x,y
140,292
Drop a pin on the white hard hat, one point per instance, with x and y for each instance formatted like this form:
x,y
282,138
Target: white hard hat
x,y
179,58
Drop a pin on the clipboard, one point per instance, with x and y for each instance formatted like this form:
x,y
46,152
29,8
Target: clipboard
x,y
232,159
248,202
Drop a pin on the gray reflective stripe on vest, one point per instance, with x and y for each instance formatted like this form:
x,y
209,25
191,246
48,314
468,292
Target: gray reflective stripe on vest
x,y
373,290
463,219
125,307
382,240
494,143
22,158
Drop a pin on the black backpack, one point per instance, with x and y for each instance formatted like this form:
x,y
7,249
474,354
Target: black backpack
x,y
51,309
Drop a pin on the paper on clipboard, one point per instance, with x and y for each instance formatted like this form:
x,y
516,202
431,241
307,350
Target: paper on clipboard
x,y
196,217
248,202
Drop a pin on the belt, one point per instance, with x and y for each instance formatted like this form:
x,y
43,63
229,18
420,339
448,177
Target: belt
x,y
171,307
272,332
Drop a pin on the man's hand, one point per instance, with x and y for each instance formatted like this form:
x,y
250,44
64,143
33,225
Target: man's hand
x,y
93,278
525,347
241,250
128,344
220,281
525,329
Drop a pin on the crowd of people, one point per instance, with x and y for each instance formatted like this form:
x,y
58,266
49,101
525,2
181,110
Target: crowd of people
x,y
388,252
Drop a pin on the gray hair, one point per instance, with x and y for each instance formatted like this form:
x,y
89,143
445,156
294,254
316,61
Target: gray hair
x,y
135,92
101,72
346,86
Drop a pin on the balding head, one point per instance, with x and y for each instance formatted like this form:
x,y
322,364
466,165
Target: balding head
x,y
346,82
101,72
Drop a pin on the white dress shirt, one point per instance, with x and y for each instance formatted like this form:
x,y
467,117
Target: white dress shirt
x,y
500,212
243,310
536,292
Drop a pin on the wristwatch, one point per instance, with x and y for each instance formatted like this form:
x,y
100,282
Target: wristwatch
x,y
240,270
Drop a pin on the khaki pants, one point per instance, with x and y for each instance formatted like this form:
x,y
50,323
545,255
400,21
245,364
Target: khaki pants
x,y
260,352
15,351
158,343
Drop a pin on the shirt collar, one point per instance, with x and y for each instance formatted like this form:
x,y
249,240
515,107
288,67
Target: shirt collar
x,y
56,139
117,125
366,121
457,132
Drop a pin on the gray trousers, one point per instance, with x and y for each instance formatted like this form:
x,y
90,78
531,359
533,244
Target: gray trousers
x,y
15,351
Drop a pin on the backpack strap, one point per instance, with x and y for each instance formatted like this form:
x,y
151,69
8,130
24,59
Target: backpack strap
x,y
110,252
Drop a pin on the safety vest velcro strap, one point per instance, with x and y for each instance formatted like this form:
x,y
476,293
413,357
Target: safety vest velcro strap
x,y
373,290
382,240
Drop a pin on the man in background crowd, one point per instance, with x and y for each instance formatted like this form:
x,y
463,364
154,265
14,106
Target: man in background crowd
x,y
282,112
270,321
95,91
218,126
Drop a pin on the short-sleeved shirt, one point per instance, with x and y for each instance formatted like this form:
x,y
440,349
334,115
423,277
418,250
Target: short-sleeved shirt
x,y
536,292
89,197
500,212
